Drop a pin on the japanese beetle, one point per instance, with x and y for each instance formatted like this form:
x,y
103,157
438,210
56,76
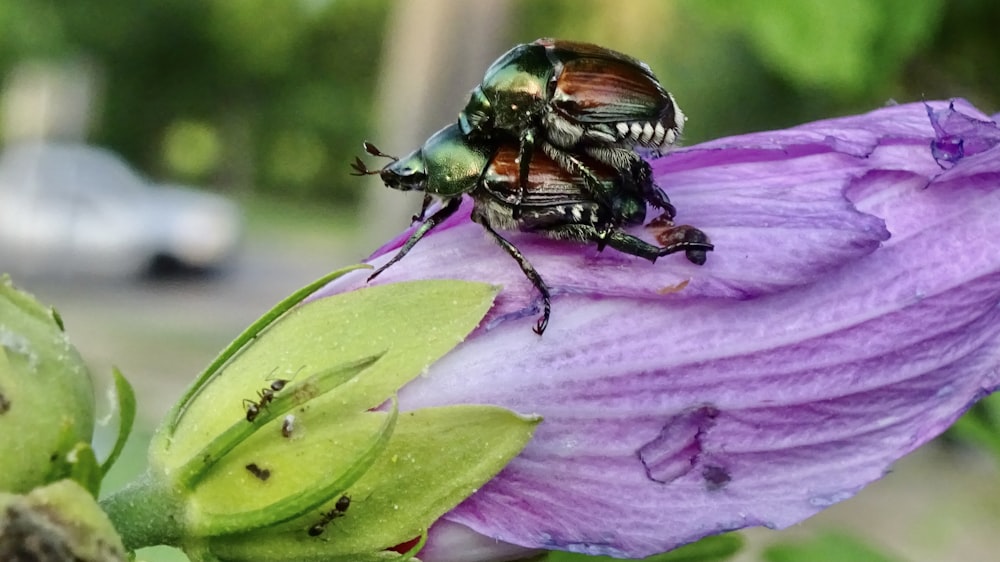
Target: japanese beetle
x,y
571,97
555,203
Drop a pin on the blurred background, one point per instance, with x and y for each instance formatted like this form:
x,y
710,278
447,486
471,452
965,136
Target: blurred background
x,y
171,168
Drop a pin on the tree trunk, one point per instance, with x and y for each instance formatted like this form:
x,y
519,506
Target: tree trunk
x,y
435,52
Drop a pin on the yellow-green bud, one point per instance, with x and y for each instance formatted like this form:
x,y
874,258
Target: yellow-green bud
x,y
46,394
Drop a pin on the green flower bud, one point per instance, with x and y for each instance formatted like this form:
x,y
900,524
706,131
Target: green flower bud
x,y
292,447
46,398
60,521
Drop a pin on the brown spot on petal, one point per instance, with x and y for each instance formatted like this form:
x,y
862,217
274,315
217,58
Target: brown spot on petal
x,y
674,234
673,288
716,477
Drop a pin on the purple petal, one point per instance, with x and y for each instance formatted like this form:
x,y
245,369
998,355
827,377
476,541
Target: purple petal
x,y
451,542
960,134
818,351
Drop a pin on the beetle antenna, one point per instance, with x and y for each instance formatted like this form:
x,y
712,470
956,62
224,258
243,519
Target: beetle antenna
x,y
360,169
374,151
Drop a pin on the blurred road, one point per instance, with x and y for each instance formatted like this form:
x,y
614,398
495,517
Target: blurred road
x,y
162,333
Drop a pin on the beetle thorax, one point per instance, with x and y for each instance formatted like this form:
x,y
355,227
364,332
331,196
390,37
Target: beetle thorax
x,y
518,103
453,162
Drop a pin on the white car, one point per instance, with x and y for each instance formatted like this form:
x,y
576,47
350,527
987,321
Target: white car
x,y
70,209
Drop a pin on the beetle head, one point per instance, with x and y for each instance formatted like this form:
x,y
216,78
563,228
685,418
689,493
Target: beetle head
x,y
406,174
448,165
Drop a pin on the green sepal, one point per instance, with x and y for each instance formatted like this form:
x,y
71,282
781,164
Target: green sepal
x,y
332,367
436,458
204,553
76,461
84,468
409,325
125,406
245,338
294,396
300,475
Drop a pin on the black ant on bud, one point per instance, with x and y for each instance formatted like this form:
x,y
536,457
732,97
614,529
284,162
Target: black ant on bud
x,y
339,510
264,397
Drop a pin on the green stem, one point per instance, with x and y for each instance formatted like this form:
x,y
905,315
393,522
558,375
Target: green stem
x,y
146,513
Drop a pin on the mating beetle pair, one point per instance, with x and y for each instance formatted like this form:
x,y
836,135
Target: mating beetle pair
x,y
547,145
568,96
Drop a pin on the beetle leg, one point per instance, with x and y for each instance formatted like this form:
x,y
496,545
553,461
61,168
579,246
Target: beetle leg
x,y
524,161
681,238
574,165
428,199
526,267
688,238
642,175
630,165
692,241
625,243
437,218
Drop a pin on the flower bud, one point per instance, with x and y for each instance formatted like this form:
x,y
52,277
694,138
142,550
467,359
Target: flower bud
x,y
46,395
60,521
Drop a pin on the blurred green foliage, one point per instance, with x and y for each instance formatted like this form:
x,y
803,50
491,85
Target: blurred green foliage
x,y
717,548
825,547
848,48
268,97
980,426
249,95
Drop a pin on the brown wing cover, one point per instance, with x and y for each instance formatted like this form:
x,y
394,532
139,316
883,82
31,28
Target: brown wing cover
x,y
590,90
548,183
562,50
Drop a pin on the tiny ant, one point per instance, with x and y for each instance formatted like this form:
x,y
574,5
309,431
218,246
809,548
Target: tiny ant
x,y
261,473
288,426
265,396
339,510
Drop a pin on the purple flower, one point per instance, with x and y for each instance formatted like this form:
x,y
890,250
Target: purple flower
x,y
848,314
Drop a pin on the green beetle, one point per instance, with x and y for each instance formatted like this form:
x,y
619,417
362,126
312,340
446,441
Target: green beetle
x,y
554,202
570,98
